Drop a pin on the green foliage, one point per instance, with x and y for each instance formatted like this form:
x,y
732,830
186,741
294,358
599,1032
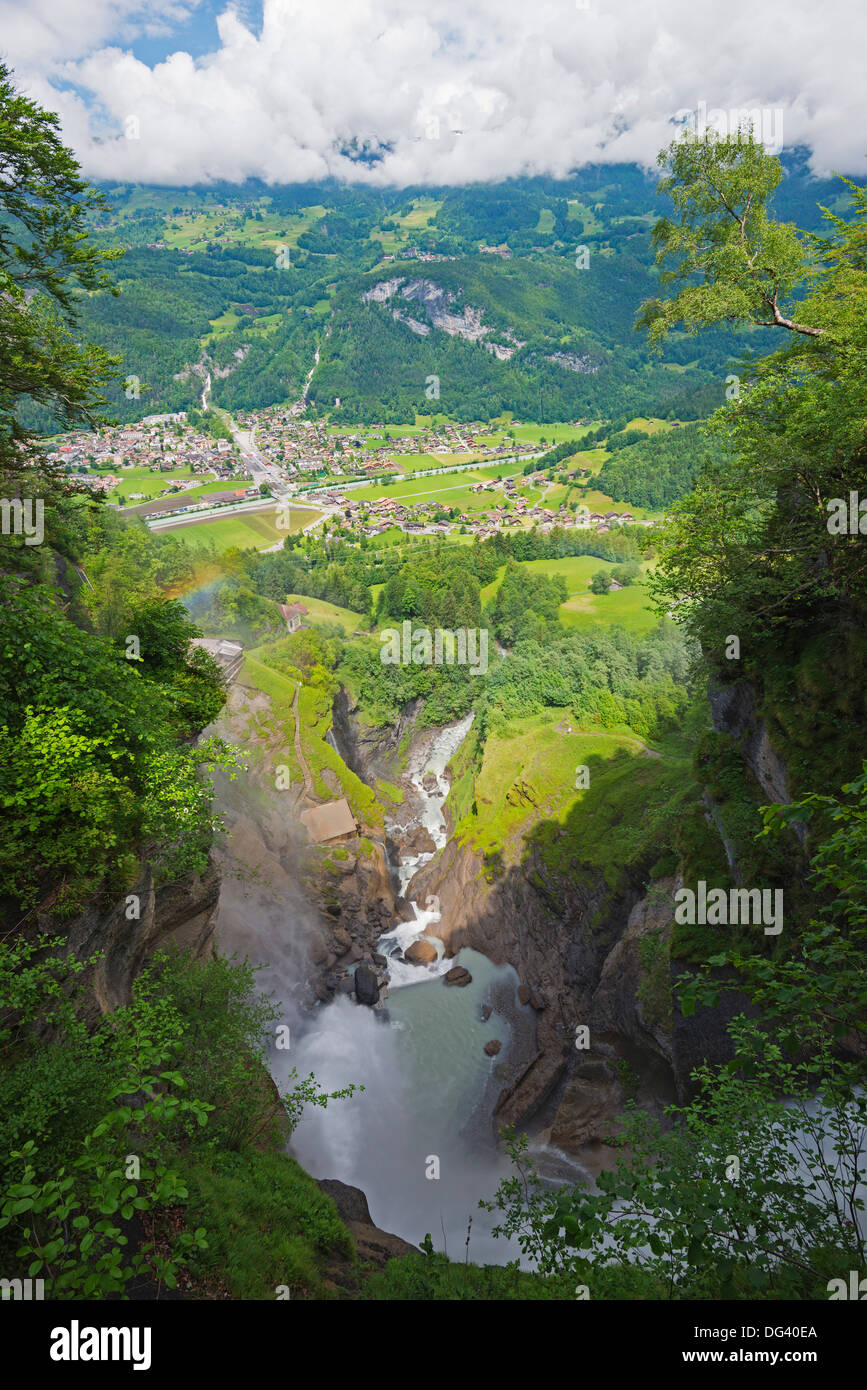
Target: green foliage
x,y
749,551
526,604
91,762
269,1226
748,264
432,1276
658,469
45,260
175,1080
608,677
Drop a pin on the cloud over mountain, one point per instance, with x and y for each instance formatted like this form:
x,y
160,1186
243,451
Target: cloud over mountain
x,y
396,91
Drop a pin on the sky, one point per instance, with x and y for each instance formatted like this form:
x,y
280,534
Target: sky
x,y
431,91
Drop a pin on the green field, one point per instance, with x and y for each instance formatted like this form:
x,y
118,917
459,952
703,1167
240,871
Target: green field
x,y
320,611
529,775
453,488
420,216
242,529
628,608
274,229
143,480
193,494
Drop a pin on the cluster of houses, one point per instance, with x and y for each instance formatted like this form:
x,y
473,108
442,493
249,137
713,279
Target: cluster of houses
x,y
306,447
412,253
371,518
160,443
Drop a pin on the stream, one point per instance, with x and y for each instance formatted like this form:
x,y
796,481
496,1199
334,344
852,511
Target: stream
x,y
418,1140
429,1086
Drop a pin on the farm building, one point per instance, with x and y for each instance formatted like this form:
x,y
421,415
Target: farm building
x,y
333,821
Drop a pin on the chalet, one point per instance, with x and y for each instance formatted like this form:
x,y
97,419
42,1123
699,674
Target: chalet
x,y
292,614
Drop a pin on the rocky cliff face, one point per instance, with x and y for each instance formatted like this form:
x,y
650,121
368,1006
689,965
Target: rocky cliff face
x,y
735,712
127,934
319,910
576,950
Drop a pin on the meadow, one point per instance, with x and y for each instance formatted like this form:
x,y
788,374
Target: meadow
x,y
320,611
244,530
528,773
628,608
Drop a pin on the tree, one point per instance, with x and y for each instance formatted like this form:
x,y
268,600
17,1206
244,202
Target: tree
x,y
601,582
749,264
45,257
751,550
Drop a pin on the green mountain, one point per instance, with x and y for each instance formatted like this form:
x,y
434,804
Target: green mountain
x,y
528,306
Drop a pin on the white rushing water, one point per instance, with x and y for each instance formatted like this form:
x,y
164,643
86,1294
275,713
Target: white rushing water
x,y
394,943
418,1140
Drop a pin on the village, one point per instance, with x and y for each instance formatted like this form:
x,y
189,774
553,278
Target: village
x,y
169,464
373,517
184,457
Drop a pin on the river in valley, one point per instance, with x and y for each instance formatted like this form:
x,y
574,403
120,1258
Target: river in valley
x,y
418,1140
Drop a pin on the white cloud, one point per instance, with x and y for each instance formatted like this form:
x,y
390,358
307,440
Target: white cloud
x,y
512,87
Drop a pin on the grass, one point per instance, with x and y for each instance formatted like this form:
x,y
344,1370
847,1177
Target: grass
x,y
320,611
489,591
552,434
428,489
245,530
269,1226
315,718
275,229
195,494
529,774
628,608
425,1278
144,480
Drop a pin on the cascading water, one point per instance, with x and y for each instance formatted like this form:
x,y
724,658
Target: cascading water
x,y
418,1139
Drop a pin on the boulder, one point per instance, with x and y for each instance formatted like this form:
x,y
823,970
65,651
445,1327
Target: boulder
x,y
366,986
523,994
372,1244
420,953
486,1012
430,783
345,984
493,1047
318,948
418,841
458,976
341,940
